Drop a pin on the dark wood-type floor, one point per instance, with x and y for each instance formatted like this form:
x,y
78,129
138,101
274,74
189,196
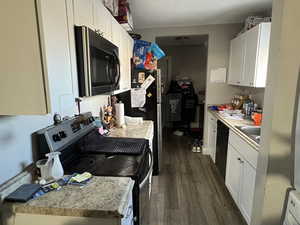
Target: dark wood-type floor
x,y
190,190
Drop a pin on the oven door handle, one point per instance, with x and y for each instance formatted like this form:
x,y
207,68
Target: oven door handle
x,y
149,172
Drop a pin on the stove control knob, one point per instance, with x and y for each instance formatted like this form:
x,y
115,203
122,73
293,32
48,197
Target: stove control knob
x,y
56,137
62,134
91,119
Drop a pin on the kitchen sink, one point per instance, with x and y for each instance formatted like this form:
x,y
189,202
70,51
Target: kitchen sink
x,y
251,131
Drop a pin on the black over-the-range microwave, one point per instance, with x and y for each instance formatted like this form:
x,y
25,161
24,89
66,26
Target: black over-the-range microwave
x,y
98,63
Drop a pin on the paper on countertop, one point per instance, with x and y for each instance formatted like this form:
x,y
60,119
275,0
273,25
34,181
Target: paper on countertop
x,y
218,75
149,80
232,116
138,97
133,120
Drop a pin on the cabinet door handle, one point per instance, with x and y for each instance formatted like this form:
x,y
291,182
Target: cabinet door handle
x,y
293,203
241,161
129,210
101,33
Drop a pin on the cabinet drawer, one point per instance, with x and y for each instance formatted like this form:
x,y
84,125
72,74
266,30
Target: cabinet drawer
x,y
249,153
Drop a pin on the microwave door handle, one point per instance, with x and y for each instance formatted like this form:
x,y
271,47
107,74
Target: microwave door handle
x,y
118,70
86,61
109,72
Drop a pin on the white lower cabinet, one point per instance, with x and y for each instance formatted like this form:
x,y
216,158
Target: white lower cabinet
x,y
247,190
240,174
233,173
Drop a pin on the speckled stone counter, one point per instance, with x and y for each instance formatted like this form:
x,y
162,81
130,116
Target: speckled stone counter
x,y
144,130
231,123
101,197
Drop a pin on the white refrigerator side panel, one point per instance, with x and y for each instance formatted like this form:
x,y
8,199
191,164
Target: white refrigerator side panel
x,y
296,141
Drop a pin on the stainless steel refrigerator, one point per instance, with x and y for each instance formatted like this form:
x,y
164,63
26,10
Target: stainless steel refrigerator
x,y
151,109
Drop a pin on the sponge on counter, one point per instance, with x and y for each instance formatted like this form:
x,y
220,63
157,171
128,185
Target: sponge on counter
x,y
80,178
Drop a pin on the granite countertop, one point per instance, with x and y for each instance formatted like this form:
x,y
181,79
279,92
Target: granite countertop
x,y
231,123
101,197
144,130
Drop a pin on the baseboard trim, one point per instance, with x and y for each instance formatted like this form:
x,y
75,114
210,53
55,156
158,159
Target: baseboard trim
x,y
205,151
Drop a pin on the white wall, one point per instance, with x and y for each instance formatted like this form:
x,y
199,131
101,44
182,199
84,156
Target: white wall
x,y
219,37
189,61
275,164
16,131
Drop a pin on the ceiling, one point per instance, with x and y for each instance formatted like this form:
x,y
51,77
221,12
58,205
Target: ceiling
x,y
170,13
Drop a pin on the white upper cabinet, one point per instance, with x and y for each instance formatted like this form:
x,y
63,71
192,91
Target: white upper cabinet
x,y
122,39
102,20
23,81
84,13
117,33
56,49
130,55
251,50
125,81
249,57
237,52
36,69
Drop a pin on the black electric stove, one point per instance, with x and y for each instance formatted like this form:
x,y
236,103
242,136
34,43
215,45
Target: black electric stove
x,y
83,149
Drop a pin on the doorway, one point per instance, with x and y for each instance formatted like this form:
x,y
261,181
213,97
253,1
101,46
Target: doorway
x,y
184,67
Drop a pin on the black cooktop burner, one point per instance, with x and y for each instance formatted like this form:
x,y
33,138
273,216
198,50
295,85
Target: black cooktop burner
x,y
95,143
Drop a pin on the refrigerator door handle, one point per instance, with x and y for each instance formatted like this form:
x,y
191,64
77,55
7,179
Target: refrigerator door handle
x,y
159,134
158,84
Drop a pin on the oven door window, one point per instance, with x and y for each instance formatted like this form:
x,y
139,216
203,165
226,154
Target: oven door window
x,y
101,68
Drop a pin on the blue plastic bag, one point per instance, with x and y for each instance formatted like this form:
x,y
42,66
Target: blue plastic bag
x,y
140,53
156,51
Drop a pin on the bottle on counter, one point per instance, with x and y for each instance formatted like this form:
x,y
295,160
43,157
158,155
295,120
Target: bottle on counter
x,y
249,107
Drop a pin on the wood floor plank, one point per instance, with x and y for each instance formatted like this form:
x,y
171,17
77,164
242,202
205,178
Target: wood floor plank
x,y
190,190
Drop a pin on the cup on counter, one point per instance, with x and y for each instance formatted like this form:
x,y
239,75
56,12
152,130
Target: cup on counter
x,y
257,118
